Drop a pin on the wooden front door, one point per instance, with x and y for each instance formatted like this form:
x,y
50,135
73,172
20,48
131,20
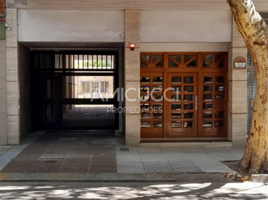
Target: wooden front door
x,y
184,95
181,105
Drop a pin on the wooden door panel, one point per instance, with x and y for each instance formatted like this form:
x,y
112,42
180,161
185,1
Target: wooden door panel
x,y
214,132
151,132
176,132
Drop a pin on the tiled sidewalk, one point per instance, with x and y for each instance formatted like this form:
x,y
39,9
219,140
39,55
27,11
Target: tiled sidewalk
x,y
176,159
78,153
65,153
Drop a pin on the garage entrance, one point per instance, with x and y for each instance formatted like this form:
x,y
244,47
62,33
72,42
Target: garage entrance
x,y
74,90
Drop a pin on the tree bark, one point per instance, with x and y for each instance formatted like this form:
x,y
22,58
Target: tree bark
x,y
255,34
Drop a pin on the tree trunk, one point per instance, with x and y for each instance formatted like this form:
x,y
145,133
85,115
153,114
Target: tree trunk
x,y
254,31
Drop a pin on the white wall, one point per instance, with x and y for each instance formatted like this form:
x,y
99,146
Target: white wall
x,y
185,47
186,26
70,26
108,26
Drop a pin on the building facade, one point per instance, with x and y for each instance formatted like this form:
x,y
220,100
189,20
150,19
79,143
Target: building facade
x,y
185,80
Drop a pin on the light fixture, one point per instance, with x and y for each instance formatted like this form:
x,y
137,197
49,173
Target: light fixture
x,y
132,46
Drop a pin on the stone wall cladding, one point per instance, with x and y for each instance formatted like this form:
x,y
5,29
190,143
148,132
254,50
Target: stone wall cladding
x,y
12,75
237,109
132,75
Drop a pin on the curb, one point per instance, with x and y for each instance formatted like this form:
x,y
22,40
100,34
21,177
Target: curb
x,y
112,177
259,178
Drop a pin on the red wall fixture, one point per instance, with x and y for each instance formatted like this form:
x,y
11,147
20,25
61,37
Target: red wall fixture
x,y
2,10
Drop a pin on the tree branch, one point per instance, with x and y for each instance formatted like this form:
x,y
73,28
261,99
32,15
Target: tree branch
x,y
249,22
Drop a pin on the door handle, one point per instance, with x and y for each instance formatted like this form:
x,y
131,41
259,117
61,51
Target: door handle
x,y
196,102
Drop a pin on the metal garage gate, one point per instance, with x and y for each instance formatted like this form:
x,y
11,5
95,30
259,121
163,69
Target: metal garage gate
x,y
74,90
